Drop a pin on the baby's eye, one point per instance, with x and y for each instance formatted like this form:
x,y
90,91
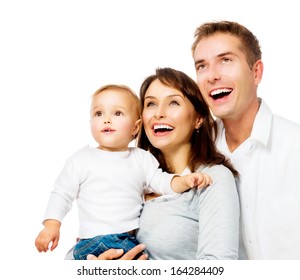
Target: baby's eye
x,y
98,114
119,113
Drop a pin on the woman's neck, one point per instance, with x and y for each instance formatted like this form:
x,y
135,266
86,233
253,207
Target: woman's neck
x,y
177,158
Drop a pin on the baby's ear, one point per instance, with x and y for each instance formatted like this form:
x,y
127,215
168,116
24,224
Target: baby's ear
x,y
137,128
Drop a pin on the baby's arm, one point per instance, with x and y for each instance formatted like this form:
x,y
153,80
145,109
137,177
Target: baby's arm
x,y
50,233
182,183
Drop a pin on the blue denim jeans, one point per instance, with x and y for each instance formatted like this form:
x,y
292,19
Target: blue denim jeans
x,y
99,244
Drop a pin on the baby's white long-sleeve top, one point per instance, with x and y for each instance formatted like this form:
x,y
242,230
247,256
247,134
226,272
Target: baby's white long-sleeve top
x,y
108,187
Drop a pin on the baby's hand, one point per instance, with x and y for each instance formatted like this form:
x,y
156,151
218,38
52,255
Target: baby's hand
x,y
50,234
199,180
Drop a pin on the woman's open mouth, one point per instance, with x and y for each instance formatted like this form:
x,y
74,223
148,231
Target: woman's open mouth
x,y
160,128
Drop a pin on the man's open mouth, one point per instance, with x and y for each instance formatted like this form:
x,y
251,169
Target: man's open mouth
x,y
220,93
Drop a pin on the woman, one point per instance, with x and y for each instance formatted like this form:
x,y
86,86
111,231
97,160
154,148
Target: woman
x,y
179,131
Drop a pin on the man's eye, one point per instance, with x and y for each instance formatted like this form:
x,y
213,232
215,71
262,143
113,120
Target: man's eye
x,y
200,67
225,60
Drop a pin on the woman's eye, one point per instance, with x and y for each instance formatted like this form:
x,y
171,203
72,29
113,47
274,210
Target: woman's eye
x,y
149,104
174,102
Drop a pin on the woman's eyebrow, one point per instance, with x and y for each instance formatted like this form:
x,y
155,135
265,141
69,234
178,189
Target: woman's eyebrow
x,y
168,96
149,96
175,95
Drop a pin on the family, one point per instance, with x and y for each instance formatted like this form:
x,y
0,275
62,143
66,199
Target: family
x,y
213,174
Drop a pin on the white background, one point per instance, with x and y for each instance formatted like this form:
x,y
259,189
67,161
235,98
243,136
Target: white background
x,y
55,54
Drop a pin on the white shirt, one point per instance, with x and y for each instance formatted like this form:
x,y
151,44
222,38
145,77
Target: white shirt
x,y
269,186
108,187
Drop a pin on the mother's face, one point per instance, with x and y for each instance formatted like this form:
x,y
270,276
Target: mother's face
x,y
169,117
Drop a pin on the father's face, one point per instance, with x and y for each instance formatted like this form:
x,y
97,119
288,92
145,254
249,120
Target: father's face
x,y
225,79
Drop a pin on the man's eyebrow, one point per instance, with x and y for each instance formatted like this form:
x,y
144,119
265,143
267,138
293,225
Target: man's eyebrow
x,y
226,53
199,61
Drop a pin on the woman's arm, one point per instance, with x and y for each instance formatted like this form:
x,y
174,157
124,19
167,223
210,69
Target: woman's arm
x,y
218,210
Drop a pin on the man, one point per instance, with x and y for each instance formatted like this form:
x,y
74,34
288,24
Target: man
x,y
263,147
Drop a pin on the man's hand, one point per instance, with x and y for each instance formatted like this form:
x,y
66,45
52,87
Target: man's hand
x,y
117,254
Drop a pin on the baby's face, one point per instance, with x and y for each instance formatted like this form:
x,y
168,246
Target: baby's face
x,y
114,121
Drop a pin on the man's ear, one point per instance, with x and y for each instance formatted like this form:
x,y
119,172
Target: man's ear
x,y
137,127
258,68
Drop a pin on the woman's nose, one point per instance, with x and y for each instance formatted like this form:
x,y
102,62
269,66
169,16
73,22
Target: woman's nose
x,y
159,113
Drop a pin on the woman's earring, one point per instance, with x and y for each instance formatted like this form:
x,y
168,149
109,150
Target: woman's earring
x,y
198,128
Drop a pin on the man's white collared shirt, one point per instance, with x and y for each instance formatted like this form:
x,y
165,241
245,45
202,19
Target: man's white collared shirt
x,y
269,186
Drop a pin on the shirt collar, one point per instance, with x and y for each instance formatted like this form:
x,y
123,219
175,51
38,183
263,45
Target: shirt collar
x,y
262,124
261,127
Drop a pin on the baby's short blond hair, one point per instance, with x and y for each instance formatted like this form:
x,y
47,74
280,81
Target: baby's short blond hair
x,y
131,93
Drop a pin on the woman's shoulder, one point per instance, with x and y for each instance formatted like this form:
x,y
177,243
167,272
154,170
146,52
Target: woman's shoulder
x,y
222,178
218,171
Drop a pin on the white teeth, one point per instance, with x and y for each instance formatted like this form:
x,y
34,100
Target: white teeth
x,y
218,91
162,126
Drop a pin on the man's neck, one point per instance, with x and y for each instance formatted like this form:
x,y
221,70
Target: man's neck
x,y
239,129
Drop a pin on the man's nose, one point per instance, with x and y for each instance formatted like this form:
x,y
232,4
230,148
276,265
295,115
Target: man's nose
x,y
212,74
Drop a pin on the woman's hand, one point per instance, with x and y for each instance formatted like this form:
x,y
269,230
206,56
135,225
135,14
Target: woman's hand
x,y
113,254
